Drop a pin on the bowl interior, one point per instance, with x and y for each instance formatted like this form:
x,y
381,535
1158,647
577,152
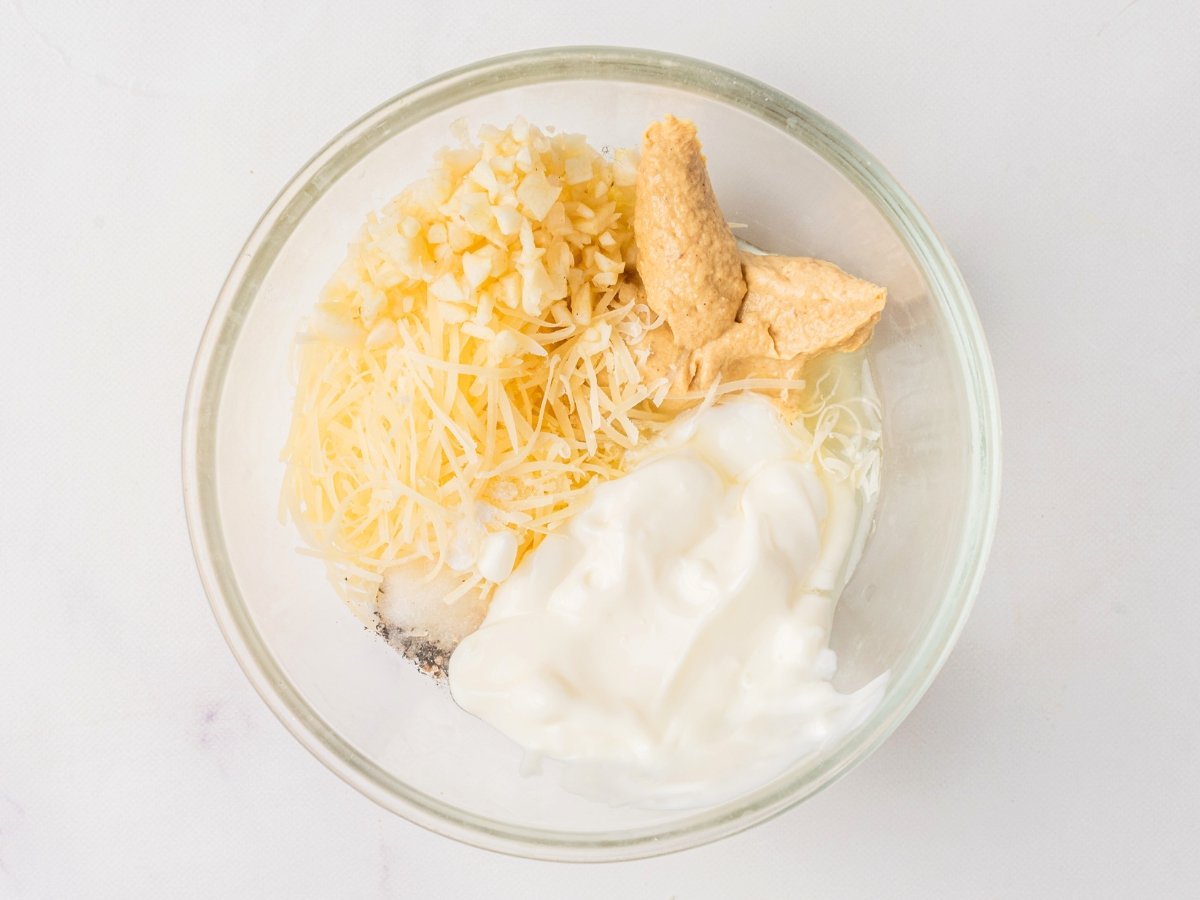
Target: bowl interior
x,y
366,711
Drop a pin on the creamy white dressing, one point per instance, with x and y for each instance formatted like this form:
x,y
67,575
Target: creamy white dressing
x,y
670,646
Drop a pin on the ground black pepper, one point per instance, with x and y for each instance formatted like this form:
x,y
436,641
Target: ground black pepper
x,y
431,657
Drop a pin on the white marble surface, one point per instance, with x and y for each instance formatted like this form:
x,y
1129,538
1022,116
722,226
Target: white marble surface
x,y
1055,146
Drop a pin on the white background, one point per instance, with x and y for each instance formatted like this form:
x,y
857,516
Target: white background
x,y
1054,145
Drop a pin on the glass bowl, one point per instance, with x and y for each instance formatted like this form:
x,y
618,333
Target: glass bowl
x,y
802,187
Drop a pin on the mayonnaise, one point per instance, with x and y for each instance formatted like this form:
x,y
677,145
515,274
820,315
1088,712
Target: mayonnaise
x,y
670,646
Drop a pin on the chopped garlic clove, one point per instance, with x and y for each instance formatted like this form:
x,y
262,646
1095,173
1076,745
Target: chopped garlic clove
x,y
508,220
476,267
453,313
336,329
374,302
483,176
537,194
460,130
579,168
483,311
384,332
448,289
509,292
504,345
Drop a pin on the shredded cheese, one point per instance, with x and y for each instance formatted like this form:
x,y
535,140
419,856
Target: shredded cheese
x,y
842,418
470,366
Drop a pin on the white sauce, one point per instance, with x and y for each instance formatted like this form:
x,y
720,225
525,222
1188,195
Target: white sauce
x,y
671,646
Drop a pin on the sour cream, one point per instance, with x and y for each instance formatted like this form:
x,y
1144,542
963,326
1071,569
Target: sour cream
x,y
670,646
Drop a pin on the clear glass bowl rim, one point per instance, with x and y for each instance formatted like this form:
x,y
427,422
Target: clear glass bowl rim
x,y
246,276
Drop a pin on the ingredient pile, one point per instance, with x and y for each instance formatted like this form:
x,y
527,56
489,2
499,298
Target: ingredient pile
x,y
559,436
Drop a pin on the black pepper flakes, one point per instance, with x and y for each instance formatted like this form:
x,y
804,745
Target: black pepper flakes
x,y
431,658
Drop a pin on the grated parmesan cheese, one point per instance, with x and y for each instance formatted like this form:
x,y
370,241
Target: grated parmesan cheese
x,y
470,369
